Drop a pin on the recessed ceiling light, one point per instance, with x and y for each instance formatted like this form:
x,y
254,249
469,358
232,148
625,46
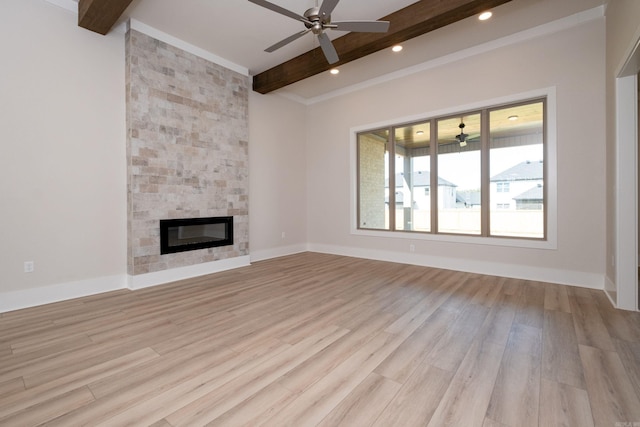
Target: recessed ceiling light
x,y
485,15
334,71
396,48
420,132
513,118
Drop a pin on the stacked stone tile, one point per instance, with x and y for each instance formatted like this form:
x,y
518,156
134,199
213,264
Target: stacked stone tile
x,y
187,150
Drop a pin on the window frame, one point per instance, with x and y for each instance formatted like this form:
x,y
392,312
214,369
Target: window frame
x,y
549,241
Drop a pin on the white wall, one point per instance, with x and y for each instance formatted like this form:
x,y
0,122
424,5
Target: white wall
x,y
623,34
277,182
572,61
62,154
63,162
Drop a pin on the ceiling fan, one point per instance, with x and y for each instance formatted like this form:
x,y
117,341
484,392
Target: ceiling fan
x,y
317,20
462,139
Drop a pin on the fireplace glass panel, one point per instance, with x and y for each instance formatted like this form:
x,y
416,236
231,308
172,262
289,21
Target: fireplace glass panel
x,y
180,235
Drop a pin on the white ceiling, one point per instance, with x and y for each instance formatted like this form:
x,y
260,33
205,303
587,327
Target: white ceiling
x,y
239,31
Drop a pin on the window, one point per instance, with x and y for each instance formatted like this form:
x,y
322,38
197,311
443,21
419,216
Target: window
x,y
373,186
458,166
478,173
411,149
502,187
516,160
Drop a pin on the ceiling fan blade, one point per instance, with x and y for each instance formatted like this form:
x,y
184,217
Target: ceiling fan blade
x,y
328,49
280,10
327,7
287,40
362,26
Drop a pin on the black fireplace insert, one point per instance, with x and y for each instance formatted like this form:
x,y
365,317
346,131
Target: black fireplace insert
x,y
179,235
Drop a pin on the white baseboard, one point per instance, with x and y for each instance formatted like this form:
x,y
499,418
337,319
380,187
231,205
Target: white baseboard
x,y
610,291
540,274
278,252
162,277
16,300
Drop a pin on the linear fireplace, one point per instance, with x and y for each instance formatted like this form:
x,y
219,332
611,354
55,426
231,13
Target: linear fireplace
x,y
179,235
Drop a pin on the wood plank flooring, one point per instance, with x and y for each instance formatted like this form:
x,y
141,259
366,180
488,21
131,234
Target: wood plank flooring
x,y
322,340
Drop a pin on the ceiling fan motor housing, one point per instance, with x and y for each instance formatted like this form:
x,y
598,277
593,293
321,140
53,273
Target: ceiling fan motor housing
x,y
316,23
462,138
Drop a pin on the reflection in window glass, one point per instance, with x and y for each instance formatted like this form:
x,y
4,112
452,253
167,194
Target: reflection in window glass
x,y
412,178
516,190
373,179
459,175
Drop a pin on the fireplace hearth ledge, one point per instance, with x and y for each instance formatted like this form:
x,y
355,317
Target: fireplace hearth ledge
x,y
163,277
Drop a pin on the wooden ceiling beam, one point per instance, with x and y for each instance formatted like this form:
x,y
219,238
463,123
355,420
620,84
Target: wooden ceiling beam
x,y
100,15
412,21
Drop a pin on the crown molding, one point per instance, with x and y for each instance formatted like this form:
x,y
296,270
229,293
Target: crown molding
x,y
522,36
187,47
70,5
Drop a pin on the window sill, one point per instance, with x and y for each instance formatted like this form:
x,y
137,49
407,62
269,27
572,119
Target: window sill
x,y
549,244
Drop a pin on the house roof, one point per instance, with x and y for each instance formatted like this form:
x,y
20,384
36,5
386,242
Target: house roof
x,y
524,171
534,193
420,179
469,197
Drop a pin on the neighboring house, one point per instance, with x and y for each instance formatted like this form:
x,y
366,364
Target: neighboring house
x,y
421,195
519,187
468,198
530,199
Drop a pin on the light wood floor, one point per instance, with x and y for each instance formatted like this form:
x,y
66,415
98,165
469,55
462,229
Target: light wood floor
x,y
316,339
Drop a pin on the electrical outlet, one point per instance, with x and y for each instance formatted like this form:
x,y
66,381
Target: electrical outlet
x,y
29,266
283,235
412,248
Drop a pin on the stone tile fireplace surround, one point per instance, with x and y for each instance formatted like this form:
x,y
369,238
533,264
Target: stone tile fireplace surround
x,y
187,150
